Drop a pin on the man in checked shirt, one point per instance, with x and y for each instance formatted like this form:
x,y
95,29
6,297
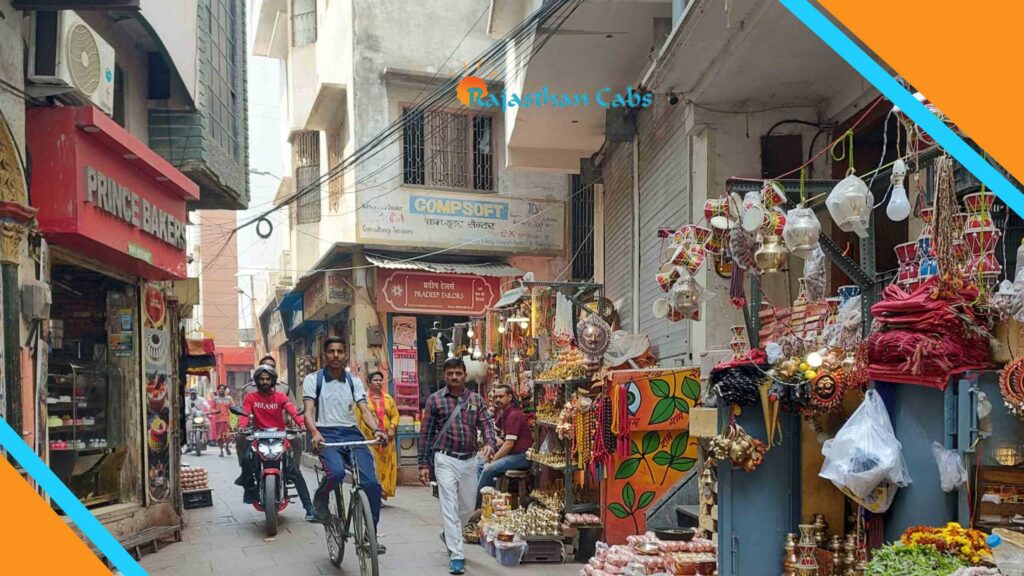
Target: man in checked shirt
x,y
453,446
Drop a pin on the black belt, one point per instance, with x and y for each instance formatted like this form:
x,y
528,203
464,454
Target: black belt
x,y
457,455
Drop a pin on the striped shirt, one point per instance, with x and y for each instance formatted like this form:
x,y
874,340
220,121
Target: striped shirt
x,y
461,436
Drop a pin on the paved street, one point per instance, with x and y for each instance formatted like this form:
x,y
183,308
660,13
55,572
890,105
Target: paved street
x,y
229,539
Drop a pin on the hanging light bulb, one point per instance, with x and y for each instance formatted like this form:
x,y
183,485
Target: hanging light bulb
x,y
524,323
501,328
469,332
816,359
515,358
451,352
899,205
477,354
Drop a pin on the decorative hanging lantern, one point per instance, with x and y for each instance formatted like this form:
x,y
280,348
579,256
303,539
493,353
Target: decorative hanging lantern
x,y
802,231
686,295
850,204
771,256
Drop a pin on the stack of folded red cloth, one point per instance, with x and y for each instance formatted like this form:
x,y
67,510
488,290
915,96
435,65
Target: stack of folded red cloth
x,y
921,339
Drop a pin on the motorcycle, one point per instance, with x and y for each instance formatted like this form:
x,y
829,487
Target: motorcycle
x,y
272,449
200,432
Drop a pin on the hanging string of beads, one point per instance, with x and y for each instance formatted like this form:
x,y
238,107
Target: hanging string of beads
x,y
946,209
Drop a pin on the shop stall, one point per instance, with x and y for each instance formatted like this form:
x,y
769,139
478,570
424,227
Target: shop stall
x,y
611,436
114,221
869,424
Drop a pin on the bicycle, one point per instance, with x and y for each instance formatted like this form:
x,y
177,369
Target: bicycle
x,y
355,522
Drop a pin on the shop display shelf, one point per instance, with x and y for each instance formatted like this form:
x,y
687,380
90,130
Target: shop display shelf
x,y
80,427
574,382
546,423
558,467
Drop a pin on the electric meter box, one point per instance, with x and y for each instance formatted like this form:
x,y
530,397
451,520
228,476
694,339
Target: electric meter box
x,y
35,300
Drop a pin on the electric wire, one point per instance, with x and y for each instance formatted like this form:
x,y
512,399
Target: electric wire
x,y
437,99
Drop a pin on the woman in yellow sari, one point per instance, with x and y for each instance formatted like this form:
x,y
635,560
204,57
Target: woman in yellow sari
x,y
385,457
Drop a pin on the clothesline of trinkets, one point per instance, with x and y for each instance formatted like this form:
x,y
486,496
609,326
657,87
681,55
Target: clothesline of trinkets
x,y
759,235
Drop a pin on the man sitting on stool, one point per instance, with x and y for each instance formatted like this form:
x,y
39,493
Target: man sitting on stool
x,y
517,439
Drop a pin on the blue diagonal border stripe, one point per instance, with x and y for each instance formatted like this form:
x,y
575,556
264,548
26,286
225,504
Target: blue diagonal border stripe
x,y
888,86
79,514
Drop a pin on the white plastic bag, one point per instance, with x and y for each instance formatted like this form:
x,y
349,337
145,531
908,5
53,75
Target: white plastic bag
x,y
952,473
865,452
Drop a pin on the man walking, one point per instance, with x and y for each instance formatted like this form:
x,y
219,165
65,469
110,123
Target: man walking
x,y
451,420
332,396
222,404
517,439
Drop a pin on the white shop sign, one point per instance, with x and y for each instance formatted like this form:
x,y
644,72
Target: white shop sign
x,y
471,221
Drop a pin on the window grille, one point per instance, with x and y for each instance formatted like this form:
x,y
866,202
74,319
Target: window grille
x,y
582,214
445,149
306,159
335,154
303,22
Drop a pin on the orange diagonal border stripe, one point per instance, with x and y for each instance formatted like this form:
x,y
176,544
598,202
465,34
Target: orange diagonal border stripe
x,y
963,56
34,539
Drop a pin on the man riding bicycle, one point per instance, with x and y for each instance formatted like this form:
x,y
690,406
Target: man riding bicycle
x,y
267,407
332,395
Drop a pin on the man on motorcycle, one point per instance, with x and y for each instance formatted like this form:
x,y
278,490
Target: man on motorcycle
x,y
195,405
267,406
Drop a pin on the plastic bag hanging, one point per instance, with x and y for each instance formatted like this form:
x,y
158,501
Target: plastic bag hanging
x,y
865,453
952,473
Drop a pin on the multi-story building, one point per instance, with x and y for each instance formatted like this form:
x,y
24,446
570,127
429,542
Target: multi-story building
x,y
123,116
355,71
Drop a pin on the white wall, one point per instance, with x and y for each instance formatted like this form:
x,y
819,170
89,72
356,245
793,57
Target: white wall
x,y
176,25
12,107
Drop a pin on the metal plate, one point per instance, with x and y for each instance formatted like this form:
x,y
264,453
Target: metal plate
x,y
269,434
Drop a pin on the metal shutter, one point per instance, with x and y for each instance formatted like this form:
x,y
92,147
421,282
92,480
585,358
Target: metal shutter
x,y
663,166
618,229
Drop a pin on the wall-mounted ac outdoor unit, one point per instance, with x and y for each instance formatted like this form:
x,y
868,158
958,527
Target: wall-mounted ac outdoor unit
x,y
64,52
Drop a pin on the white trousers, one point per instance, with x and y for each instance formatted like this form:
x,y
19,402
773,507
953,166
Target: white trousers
x,y
456,489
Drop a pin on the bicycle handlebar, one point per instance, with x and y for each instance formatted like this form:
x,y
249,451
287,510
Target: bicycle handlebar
x,y
347,444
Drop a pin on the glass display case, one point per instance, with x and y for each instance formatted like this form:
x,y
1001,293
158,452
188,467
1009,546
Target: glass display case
x,y
82,440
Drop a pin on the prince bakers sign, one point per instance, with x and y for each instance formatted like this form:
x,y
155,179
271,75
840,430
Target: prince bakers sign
x,y
433,293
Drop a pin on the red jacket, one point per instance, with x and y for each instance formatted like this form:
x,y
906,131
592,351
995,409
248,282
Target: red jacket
x,y
267,410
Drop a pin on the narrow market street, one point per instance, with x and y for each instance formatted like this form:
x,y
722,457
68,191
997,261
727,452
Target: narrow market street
x,y
229,538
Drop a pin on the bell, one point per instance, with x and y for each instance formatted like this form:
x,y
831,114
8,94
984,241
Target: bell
x,y
850,204
802,231
771,256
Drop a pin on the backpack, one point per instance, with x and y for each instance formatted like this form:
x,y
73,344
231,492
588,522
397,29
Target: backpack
x,y
320,385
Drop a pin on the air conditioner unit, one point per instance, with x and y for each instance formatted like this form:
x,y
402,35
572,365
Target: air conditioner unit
x,y
65,52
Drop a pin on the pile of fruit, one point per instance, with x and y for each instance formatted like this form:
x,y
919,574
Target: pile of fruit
x,y
194,479
569,365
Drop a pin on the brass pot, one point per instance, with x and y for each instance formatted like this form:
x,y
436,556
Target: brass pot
x,y
771,256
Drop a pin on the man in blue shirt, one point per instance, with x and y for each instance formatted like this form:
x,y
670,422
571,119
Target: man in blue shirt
x,y
331,397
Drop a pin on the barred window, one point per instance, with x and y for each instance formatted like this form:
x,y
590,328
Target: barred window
x,y
448,150
306,160
335,154
224,105
582,207
303,22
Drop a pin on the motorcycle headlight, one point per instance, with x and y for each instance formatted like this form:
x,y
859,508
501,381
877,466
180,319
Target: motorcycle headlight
x,y
198,420
274,450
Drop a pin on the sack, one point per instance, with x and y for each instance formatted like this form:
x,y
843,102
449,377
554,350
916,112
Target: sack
x,y
952,473
865,453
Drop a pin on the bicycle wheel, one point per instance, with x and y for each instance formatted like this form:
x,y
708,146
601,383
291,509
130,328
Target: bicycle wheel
x,y
364,534
334,528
